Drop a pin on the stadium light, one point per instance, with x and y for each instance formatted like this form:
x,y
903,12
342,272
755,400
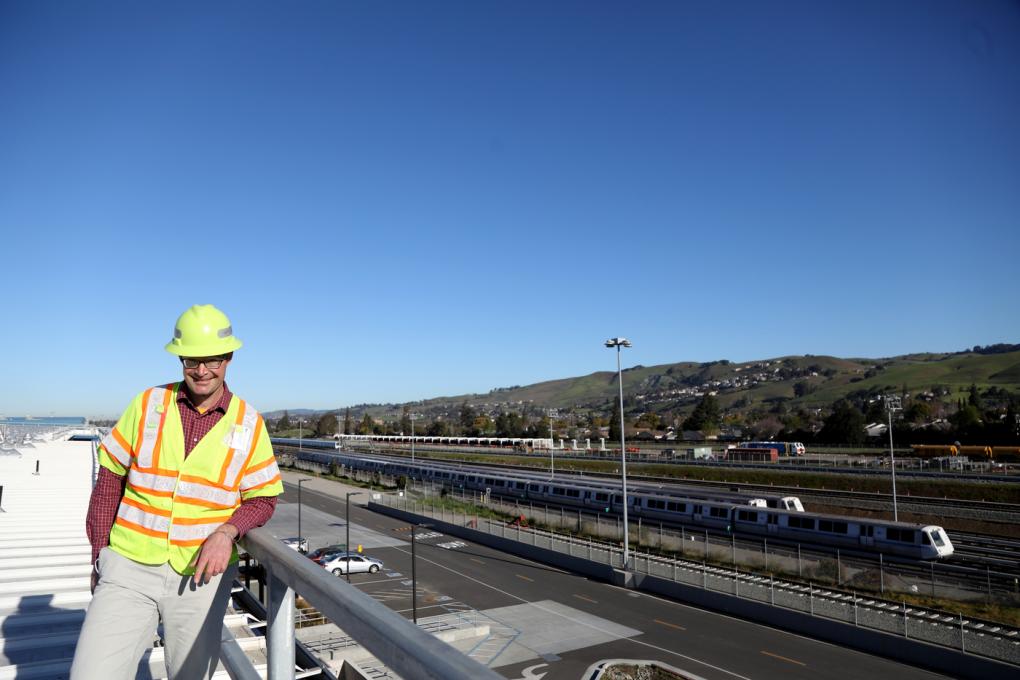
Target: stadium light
x,y
619,343
893,403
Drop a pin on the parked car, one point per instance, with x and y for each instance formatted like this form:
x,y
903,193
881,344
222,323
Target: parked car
x,y
320,553
295,543
338,563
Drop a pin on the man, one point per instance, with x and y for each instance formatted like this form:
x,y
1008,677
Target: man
x,y
186,472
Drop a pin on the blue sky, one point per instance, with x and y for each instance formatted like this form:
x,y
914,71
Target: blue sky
x,y
401,200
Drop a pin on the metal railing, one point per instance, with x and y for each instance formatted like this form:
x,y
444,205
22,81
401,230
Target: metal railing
x,y
399,644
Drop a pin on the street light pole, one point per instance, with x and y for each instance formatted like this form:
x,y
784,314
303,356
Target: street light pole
x,y
347,545
299,423
552,449
299,534
893,403
411,417
414,582
619,343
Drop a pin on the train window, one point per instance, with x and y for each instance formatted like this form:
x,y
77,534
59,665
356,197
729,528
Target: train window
x,y
673,506
558,491
747,516
925,538
900,535
719,512
832,527
795,522
937,537
599,496
655,504
574,493
519,485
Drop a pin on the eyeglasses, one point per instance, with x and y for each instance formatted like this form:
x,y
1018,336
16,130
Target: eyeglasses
x,y
211,363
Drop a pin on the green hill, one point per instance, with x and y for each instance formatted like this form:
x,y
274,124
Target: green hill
x,y
799,381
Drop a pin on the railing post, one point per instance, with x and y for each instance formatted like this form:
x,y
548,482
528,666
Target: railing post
x,y
280,633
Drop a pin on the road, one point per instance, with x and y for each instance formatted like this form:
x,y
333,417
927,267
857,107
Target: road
x,y
551,624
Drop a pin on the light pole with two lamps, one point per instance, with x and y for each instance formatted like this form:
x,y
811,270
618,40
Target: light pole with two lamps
x,y
347,545
414,574
893,403
619,343
552,448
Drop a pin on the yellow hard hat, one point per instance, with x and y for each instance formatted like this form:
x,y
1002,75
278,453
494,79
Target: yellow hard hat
x,y
202,331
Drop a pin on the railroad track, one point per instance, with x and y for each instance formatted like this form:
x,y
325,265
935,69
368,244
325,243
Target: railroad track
x,y
971,509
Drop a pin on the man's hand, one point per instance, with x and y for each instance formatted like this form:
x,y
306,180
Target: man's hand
x,y
95,580
214,554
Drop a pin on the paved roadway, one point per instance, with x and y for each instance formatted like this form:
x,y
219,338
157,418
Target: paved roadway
x,y
553,624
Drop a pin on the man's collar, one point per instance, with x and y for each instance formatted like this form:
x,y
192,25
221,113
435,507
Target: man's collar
x,y
222,405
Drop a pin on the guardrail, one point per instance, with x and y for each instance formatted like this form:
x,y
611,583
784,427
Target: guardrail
x,y
395,641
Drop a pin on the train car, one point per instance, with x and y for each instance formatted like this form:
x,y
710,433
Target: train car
x,y
934,450
898,538
984,452
780,516
782,448
1005,453
752,455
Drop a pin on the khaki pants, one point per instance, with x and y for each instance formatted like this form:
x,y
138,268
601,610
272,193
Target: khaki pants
x,y
129,601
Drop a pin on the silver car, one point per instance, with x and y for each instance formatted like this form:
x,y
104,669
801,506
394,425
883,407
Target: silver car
x,y
338,563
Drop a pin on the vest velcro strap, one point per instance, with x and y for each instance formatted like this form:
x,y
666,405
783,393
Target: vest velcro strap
x,y
117,447
190,490
256,478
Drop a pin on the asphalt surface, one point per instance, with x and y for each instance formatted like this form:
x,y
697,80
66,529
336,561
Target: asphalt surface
x,y
558,624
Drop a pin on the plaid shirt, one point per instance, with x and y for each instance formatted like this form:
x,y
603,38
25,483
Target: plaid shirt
x,y
109,487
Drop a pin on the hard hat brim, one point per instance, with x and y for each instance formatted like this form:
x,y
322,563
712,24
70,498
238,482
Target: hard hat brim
x,y
224,346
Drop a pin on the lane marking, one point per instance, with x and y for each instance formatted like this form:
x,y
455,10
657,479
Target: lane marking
x,y
586,599
783,658
524,577
667,623
583,624
475,559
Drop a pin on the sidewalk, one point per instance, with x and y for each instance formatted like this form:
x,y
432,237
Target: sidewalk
x,y
327,486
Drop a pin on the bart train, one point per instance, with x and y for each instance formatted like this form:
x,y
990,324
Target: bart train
x,y
780,517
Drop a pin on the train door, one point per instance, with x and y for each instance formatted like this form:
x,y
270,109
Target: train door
x,y
867,535
773,523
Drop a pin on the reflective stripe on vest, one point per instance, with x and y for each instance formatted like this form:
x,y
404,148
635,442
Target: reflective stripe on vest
x,y
145,518
152,482
197,491
189,532
242,439
117,447
155,403
266,473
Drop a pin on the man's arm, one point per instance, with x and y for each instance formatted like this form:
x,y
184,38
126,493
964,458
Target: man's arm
x,y
214,555
103,504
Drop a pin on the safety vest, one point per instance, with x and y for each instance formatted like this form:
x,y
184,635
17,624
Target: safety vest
x,y
171,503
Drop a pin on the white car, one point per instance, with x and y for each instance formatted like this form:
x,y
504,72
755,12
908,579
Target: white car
x,y
359,564
299,544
